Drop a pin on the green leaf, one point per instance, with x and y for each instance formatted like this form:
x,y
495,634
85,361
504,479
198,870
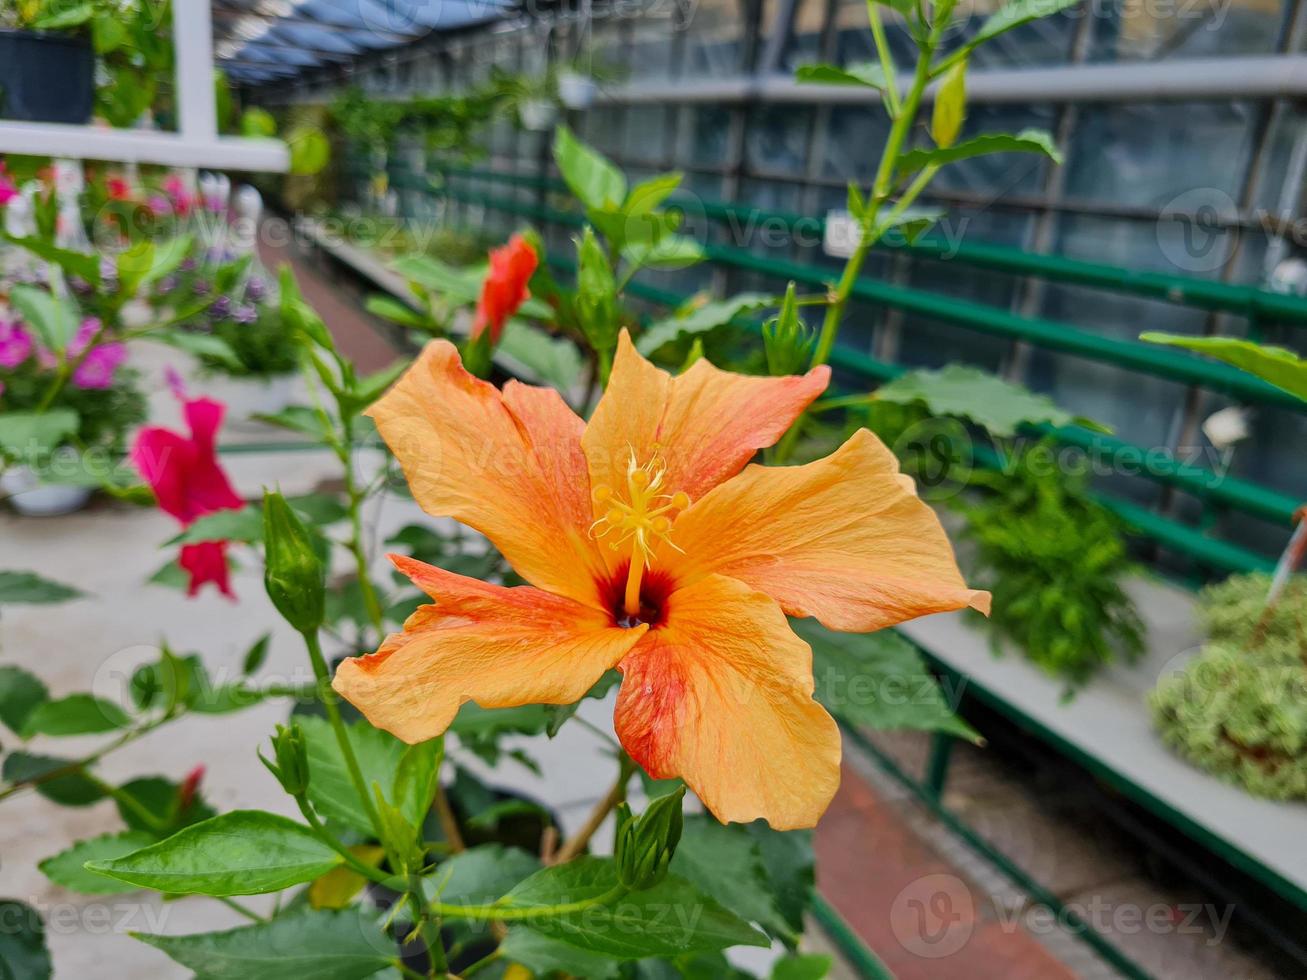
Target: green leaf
x,y
867,73
147,262
23,953
245,852
596,293
458,286
789,864
545,956
1015,14
306,945
1274,365
1026,141
389,308
671,919
258,123
963,391
806,966
200,345
591,177
310,150
161,798
650,194
256,655
20,694
950,107
474,721
700,320
877,680
67,868
27,435
330,788
244,525
297,418
31,589
77,714
53,318
481,875
81,264
71,789
554,361
725,862
66,19
666,252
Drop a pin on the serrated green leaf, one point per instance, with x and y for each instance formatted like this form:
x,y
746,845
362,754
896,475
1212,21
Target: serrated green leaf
x,y
331,790
71,789
481,875
591,177
244,525
877,681
725,862
665,252
700,320
161,798
306,945
554,361
53,318
244,852
20,694
1274,365
1026,141
790,866
77,714
23,953
27,435
545,956
966,392
867,73
1015,14
67,868
31,589
671,919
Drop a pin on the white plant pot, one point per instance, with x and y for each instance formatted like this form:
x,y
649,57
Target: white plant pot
x,y
538,115
29,496
245,397
576,91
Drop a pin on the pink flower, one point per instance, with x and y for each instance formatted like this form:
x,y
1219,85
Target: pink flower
x,y
181,197
98,368
118,189
8,189
159,205
15,344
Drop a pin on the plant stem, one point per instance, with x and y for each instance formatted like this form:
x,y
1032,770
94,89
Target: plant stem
x,y
429,931
612,799
236,906
356,498
482,963
521,913
324,835
328,696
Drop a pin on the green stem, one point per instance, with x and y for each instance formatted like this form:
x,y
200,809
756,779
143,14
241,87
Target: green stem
x,y
324,835
129,802
328,696
886,59
356,498
511,913
236,906
482,963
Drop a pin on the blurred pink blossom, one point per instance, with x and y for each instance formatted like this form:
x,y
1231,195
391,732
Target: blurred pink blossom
x,y
97,370
15,343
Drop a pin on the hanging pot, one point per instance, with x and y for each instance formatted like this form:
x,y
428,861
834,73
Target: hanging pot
x,y
576,91
538,115
46,77
30,496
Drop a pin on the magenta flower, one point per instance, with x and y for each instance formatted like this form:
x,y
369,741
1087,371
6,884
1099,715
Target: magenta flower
x,y
8,189
15,343
97,370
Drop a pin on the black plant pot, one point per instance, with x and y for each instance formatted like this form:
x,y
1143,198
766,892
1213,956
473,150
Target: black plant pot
x,y
46,77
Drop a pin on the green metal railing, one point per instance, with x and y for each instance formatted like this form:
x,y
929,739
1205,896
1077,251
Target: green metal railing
x,y
1217,491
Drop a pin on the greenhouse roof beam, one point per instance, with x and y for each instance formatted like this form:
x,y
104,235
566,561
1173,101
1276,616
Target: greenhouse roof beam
x,y
1277,76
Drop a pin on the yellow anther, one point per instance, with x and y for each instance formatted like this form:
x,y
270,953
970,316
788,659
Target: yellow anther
x,y
640,518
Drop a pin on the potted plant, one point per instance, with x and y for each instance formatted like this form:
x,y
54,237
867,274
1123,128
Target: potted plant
x,y
47,66
89,415
576,89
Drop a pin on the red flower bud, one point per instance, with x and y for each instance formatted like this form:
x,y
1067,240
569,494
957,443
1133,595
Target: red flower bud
x,y
504,290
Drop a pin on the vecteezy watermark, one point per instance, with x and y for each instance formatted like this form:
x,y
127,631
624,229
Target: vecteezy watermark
x,y
933,916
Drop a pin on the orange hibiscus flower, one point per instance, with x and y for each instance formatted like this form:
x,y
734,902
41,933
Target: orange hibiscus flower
x,y
650,546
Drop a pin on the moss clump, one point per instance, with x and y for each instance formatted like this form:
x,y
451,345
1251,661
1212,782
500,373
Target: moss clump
x,y
1230,610
1240,715
1239,709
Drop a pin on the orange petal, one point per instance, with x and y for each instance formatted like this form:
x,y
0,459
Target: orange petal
x,y
508,465
844,539
720,694
498,647
705,424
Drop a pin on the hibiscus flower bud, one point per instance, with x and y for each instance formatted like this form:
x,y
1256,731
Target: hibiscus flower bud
x,y
292,760
293,572
189,787
645,844
787,343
